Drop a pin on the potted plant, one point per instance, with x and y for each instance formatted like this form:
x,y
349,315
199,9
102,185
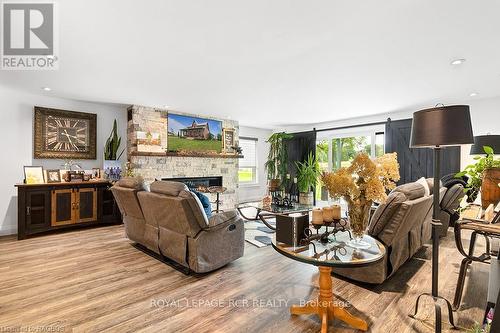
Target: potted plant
x,y
112,165
360,184
308,173
277,160
483,176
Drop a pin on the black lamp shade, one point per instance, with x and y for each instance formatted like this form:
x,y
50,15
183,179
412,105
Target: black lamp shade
x,y
441,126
480,141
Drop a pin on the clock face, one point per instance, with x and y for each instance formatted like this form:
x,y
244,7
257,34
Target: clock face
x,y
66,134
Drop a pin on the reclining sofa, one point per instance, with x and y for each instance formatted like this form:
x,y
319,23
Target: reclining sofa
x,y
169,220
403,225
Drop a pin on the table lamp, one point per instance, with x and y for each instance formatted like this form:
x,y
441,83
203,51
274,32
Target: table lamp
x,y
480,141
434,128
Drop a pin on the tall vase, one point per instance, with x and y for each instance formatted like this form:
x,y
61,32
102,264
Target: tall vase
x,y
359,215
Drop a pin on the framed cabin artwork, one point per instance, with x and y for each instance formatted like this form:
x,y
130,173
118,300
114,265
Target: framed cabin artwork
x,y
193,134
61,134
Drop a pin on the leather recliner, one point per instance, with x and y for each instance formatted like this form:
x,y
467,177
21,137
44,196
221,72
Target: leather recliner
x,y
450,202
175,226
403,225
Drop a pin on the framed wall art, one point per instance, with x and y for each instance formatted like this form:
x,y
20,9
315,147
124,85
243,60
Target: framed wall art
x,y
61,134
228,136
53,176
33,175
189,133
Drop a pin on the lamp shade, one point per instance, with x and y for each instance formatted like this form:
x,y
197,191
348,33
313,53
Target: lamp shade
x,y
480,141
441,126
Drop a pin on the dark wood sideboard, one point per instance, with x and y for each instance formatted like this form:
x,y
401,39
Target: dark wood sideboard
x,y
54,206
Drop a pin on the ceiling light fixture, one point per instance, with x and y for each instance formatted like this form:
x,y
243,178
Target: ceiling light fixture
x,y
473,94
457,62
46,89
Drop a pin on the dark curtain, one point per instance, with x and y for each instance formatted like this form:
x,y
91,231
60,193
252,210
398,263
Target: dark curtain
x,y
417,162
298,149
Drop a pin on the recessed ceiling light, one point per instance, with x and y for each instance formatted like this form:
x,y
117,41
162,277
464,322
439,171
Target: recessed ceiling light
x,y
473,94
456,62
47,89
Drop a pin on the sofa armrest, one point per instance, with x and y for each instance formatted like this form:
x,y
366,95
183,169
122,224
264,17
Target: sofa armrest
x,y
222,218
216,246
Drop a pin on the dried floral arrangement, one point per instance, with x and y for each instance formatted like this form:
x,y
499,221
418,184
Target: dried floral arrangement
x,y
362,183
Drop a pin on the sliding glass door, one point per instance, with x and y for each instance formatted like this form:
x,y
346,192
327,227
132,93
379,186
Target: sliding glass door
x,y
337,150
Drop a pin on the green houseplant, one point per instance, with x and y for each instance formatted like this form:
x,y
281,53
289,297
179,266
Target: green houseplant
x,y
112,145
308,173
111,165
277,159
476,172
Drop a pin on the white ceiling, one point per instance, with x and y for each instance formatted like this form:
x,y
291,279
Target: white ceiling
x,y
269,63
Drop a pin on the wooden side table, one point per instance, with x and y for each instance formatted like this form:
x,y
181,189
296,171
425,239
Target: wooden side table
x,y
217,190
478,228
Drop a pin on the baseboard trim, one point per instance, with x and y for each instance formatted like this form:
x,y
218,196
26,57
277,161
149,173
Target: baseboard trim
x,y
8,232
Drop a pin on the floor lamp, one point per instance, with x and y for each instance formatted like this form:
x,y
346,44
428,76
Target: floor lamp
x,y
435,128
489,140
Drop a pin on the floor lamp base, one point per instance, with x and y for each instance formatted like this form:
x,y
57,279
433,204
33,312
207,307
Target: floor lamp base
x,y
437,308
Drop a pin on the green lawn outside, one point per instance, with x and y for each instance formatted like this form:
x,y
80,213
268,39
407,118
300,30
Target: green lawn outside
x,y
175,143
245,175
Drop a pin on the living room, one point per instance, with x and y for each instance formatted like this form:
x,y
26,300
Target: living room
x,y
250,166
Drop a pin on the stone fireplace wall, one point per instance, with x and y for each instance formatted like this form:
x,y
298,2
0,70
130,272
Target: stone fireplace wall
x,y
155,166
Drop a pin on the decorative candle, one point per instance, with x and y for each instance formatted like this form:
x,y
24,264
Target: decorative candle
x,y
328,214
336,212
317,216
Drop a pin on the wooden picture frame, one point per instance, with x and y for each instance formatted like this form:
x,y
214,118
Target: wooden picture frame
x,y
62,134
228,140
96,173
53,176
33,175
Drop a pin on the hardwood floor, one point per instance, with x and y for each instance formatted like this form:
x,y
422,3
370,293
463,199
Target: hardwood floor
x,y
94,280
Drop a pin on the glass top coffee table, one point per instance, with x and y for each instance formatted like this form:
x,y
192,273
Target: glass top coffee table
x,y
266,212
335,253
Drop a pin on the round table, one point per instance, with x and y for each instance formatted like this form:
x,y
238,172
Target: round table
x,y
335,253
218,190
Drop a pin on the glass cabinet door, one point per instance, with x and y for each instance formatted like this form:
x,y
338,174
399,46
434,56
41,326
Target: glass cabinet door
x,y
86,205
37,209
63,207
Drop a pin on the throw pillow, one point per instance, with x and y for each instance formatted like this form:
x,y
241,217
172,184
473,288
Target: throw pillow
x,y
422,181
205,202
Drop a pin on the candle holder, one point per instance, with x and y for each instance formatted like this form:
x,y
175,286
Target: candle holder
x,y
317,227
337,225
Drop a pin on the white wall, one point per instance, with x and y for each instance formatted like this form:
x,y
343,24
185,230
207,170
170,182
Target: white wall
x,y
485,115
16,142
256,192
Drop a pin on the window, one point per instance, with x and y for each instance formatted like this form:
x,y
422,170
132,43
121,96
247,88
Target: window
x,y
345,148
247,172
379,144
